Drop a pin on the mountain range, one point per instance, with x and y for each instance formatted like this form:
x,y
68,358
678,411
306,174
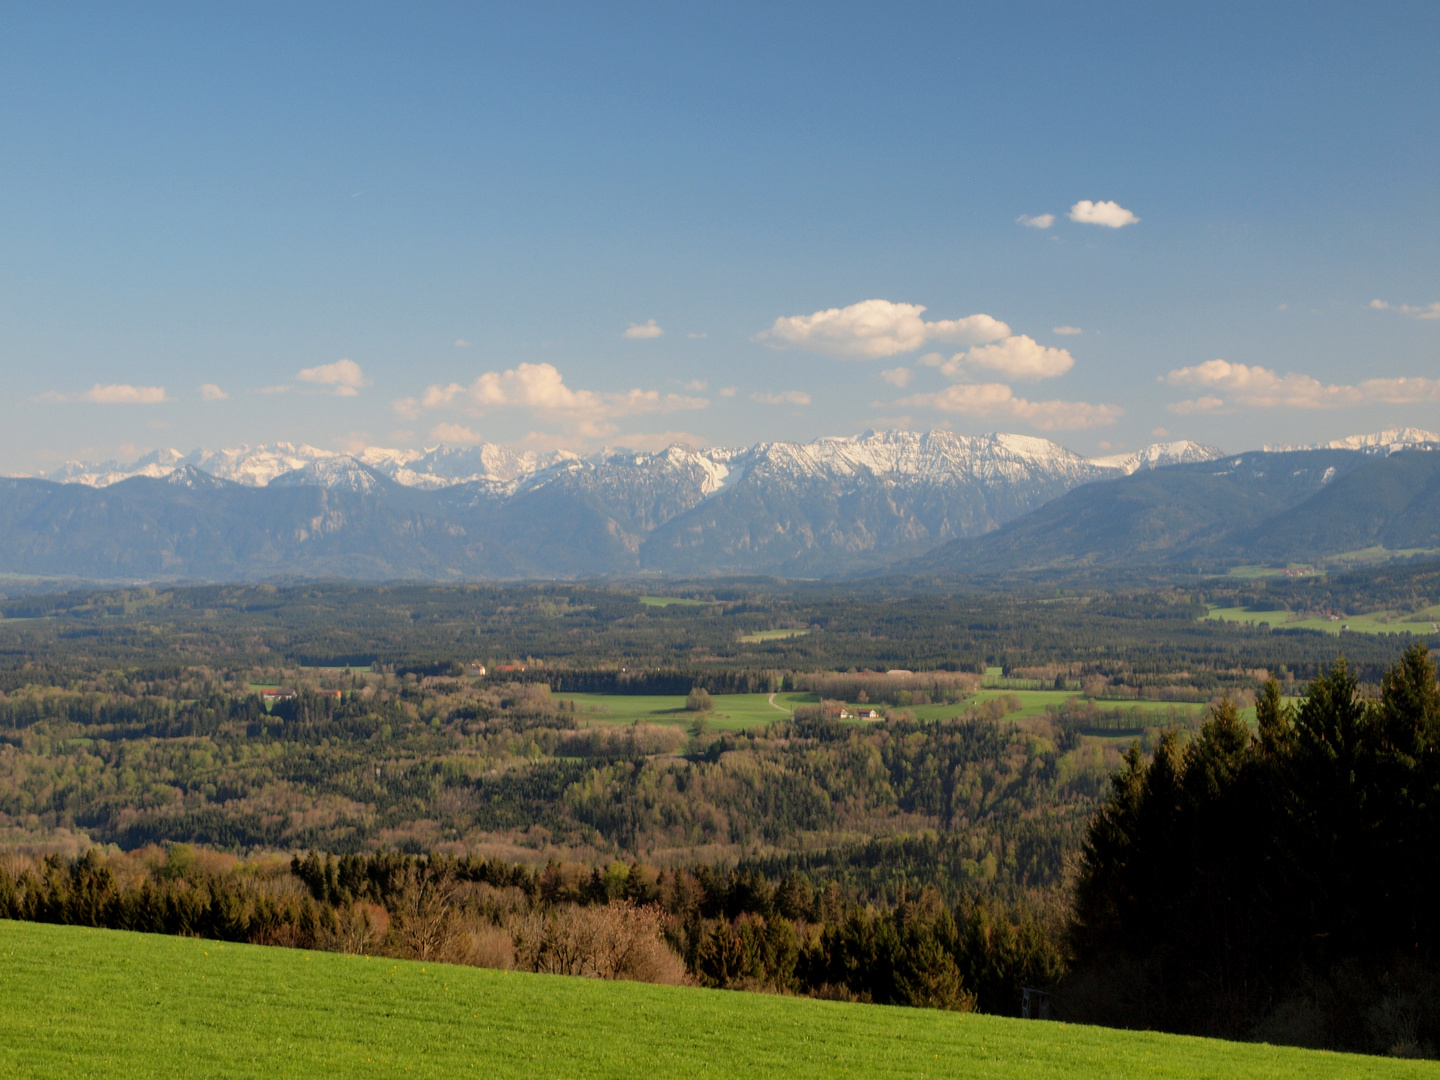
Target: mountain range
x,y
890,501
827,508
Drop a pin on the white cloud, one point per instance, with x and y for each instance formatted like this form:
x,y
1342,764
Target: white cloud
x,y
784,397
997,399
461,343
455,434
1400,391
540,388
283,388
1066,331
1256,387
112,394
1039,221
696,386
1196,405
1424,311
873,329
211,392
344,377
899,376
696,336
1018,357
729,391
1110,214
1160,432
644,330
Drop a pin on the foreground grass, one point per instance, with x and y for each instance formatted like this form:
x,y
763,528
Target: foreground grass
x,y
76,1002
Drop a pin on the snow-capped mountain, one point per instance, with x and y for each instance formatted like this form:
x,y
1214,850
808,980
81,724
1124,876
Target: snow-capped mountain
x,y
891,453
830,506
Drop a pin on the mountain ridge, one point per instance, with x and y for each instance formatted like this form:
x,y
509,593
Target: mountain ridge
x,y
829,507
884,501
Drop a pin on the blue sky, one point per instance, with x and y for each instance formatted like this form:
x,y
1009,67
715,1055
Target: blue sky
x,y
379,225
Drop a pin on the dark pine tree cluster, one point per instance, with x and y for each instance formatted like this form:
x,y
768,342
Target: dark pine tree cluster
x,y
1280,884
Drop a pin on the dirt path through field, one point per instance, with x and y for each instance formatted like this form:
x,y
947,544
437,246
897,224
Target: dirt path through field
x,y
782,708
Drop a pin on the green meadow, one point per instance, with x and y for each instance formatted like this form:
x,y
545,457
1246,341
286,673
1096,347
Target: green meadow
x,y
732,712
76,1002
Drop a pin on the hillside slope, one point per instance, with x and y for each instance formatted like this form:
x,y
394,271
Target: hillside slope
x,y
208,1009
1280,507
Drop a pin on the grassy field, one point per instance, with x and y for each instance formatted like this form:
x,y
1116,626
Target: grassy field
x,y
76,1003
772,635
732,712
1378,622
667,601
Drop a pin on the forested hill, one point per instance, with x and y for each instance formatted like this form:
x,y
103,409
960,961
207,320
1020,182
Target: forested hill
x,y
1258,507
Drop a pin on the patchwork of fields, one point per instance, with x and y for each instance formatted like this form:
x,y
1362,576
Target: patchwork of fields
x,y
76,1002
1378,622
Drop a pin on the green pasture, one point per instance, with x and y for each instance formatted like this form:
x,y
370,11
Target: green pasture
x,y
79,1003
1376,622
668,601
732,712
772,635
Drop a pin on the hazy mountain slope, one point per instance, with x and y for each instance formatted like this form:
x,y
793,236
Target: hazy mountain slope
x,y
193,525
1391,501
1200,511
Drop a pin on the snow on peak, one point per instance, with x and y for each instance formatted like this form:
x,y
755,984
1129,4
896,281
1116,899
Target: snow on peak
x,y
1392,439
931,456
1159,454
342,473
